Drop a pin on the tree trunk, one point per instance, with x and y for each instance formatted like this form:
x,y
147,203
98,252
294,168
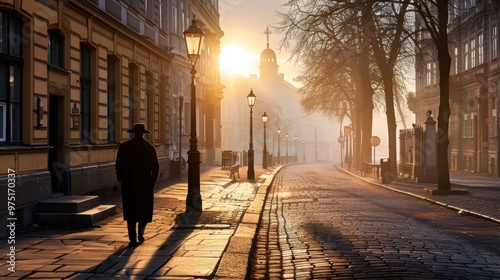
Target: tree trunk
x,y
444,98
387,75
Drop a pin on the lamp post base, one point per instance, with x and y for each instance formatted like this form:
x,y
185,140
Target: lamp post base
x,y
193,199
250,172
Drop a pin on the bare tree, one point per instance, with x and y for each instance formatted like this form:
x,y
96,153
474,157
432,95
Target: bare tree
x,y
338,73
434,16
386,32
339,41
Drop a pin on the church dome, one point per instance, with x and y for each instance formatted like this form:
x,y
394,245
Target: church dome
x,y
268,55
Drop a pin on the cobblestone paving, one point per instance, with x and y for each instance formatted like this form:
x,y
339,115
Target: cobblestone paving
x,y
176,247
319,223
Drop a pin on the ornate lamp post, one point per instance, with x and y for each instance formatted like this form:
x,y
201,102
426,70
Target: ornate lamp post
x,y
296,153
279,138
251,102
194,40
264,157
286,147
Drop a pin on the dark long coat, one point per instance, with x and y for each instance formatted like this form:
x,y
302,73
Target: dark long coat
x,y
137,169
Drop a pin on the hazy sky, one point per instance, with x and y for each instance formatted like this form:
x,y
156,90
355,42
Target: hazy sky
x,y
243,23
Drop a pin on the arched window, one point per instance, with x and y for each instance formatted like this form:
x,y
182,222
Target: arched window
x,y
10,78
56,48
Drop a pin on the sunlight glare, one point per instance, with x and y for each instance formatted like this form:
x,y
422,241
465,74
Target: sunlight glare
x,y
237,60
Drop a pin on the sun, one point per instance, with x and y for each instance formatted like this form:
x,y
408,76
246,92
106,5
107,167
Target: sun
x,y
237,60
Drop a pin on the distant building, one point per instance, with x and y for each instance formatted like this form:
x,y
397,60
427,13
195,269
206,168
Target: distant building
x,y
474,90
281,102
76,75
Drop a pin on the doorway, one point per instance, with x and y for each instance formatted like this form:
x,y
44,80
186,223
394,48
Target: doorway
x,y
57,168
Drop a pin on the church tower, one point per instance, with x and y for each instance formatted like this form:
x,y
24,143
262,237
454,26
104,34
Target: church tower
x,y
268,64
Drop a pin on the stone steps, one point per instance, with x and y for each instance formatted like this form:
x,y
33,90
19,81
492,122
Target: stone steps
x,y
73,210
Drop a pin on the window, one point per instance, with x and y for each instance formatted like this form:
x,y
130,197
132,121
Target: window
x,y
111,99
469,4
472,125
10,79
160,15
85,82
494,118
494,43
183,18
465,126
56,49
149,9
466,57
174,20
429,73
480,55
131,89
3,119
133,3
456,60
469,125
472,53
148,99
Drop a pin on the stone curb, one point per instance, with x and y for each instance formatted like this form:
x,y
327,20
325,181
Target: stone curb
x,y
459,210
234,263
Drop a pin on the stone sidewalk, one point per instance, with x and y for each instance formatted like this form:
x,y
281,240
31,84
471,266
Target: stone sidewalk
x,y
481,200
215,244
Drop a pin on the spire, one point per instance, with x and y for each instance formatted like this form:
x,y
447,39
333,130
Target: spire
x,y
267,32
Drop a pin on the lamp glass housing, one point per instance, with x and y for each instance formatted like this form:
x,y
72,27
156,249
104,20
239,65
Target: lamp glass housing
x,y
264,117
194,37
251,98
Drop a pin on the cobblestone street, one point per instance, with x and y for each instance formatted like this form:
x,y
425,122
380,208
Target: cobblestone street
x,y
319,223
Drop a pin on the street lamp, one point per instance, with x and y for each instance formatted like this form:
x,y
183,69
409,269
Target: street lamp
x,y
296,154
251,102
264,157
279,138
194,40
286,147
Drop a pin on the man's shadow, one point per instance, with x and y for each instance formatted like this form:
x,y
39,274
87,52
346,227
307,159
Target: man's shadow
x,y
185,224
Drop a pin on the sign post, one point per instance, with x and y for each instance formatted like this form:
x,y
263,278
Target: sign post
x,y
374,141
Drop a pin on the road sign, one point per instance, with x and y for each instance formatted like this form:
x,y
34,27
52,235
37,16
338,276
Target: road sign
x,y
375,141
341,139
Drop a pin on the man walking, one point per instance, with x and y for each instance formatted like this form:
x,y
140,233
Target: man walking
x,y
137,170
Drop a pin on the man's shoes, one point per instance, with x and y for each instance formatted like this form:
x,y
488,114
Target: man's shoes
x,y
132,244
141,229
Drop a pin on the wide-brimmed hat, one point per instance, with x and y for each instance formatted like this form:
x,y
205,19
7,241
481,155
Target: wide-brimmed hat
x,y
139,128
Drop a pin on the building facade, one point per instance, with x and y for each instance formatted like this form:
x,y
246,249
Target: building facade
x,y
76,75
474,87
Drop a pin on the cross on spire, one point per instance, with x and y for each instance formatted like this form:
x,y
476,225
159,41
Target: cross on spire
x,y
267,32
